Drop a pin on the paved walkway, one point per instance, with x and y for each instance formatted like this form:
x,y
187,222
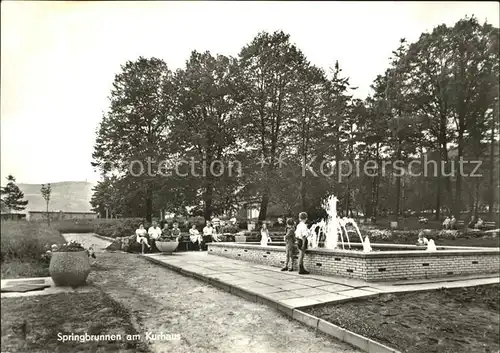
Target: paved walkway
x,y
289,288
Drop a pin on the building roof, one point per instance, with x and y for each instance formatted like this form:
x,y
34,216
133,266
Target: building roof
x,y
65,212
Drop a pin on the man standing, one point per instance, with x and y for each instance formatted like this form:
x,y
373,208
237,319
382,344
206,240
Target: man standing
x,y
154,233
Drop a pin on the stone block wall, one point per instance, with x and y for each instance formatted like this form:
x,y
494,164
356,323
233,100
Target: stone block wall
x,y
373,266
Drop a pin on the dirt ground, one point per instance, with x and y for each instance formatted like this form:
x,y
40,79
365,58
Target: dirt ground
x,y
459,320
206,318
40,323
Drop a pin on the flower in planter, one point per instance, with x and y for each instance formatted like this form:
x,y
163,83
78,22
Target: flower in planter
x,y
72,246
167,237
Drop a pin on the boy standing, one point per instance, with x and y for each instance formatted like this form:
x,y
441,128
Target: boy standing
x,y
290,244
301,234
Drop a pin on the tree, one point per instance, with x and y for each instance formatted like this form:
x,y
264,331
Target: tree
x,y
12,196
204,127
428,65
133,135
269,66
474,81
46,190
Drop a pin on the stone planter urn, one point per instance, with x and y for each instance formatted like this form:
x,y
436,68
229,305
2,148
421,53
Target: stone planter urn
x,y
69,268
167,247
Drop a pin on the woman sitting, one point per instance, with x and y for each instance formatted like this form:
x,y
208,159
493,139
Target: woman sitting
x,y
446,223
141,234
216,232
195,236
479,224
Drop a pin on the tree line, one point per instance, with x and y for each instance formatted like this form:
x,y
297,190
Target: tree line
x,y
271,110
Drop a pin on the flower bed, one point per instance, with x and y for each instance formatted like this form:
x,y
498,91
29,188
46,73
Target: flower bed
x,y
443,320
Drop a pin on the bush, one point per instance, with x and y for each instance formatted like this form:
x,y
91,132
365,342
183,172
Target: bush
x,y
116,228
243,225
27,240
22,247
76,225
230,229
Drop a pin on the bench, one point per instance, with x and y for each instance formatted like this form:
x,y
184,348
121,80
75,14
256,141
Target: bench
x,y
489,225
185,243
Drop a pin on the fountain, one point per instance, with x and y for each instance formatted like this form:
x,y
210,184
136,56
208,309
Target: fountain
x,y
431,246
366,245
333,229
366,261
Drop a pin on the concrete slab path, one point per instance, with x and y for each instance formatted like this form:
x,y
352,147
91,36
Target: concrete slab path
x,y
46,291
289,288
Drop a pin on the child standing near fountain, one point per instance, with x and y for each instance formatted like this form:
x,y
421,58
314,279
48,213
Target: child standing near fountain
x,y
301,234
289,244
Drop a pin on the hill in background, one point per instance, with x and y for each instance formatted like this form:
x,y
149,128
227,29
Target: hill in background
x,y
67,196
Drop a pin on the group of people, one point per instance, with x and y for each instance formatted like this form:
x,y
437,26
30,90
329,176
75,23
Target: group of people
x,y
148,238
473,224
449,223
155,233
296,237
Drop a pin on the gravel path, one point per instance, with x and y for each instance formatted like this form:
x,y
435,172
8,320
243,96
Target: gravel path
x,y
207,318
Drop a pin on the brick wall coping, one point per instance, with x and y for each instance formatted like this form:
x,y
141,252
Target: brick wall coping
x,y
450,251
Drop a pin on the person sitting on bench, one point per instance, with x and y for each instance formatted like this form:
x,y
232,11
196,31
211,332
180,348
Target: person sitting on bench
x,y
208,231
195,236
479,224
446,223
176,232
141,234
154,233
472,223
453,221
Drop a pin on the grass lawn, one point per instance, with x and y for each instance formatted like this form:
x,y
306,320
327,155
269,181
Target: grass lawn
x,y
22,245
36,324
445,320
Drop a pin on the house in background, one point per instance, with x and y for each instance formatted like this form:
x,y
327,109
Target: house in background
x,y
69,200
10,215
59,215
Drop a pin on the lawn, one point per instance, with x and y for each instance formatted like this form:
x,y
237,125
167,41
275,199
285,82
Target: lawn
x,y
38,324
445,320
22,245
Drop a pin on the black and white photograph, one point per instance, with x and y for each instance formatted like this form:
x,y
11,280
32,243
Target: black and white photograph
x,y
250,176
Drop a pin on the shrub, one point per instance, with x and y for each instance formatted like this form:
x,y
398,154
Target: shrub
x,y
243,225
76,225
119,227
22,247
230,229
27,240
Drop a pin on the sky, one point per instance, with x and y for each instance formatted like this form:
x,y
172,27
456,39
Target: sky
x,y
59,59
